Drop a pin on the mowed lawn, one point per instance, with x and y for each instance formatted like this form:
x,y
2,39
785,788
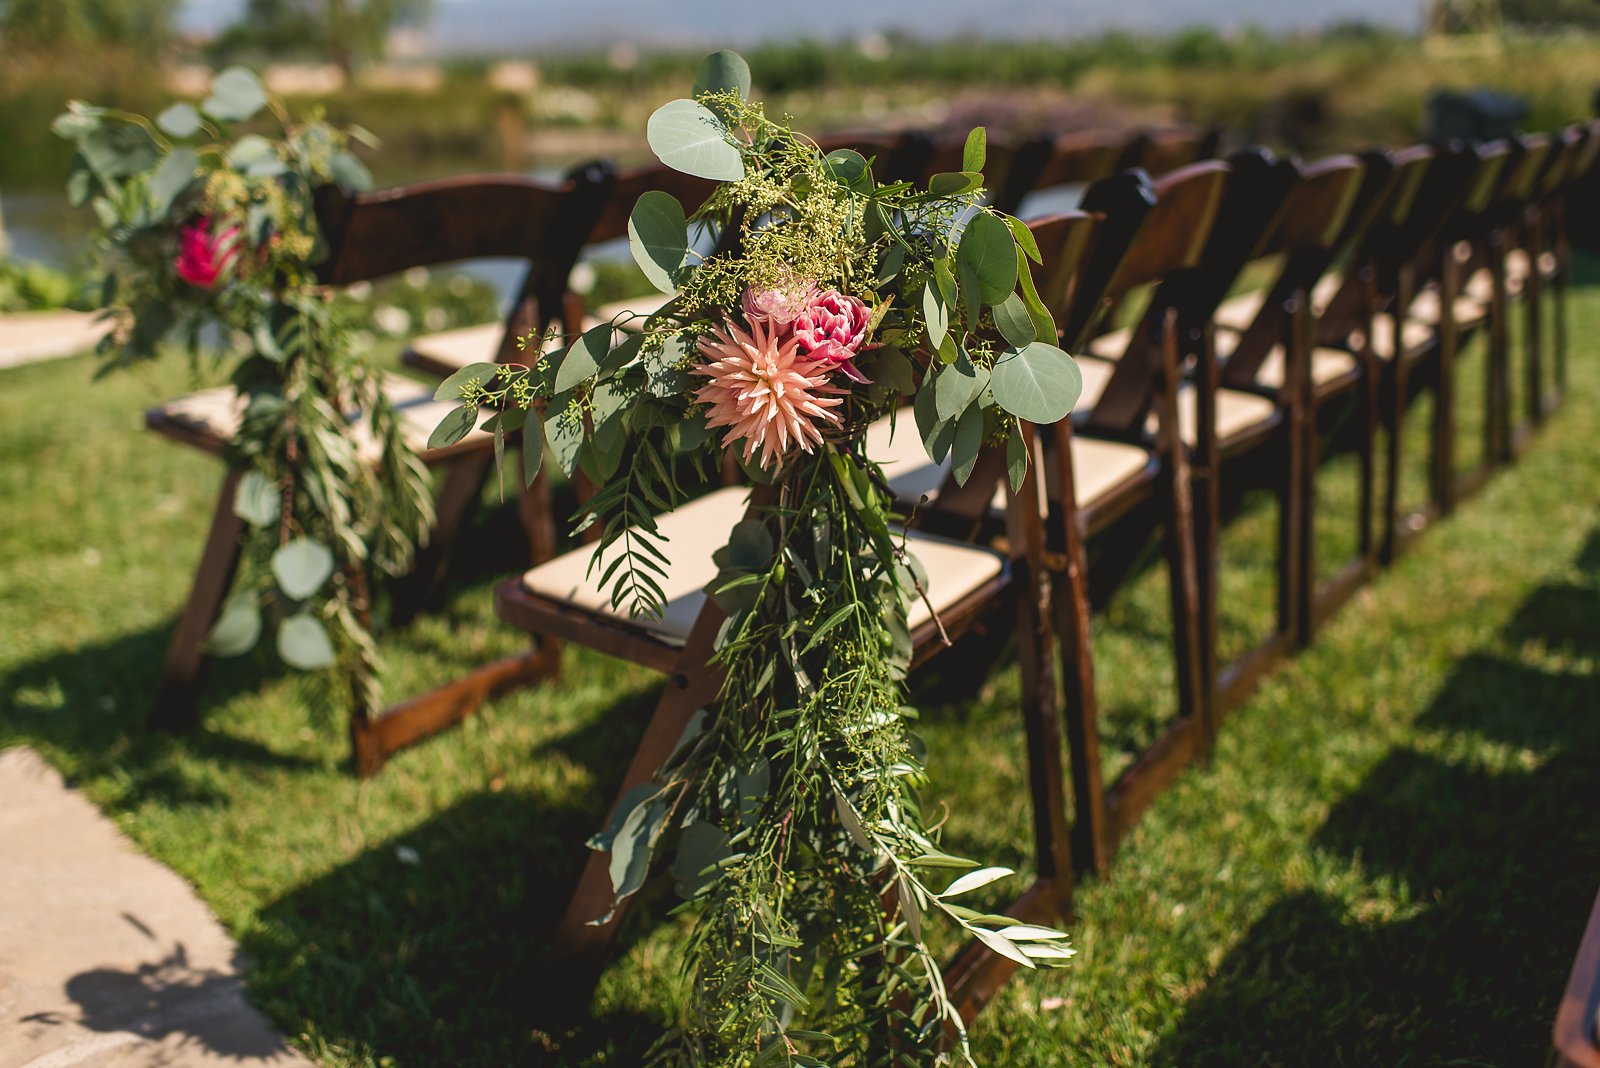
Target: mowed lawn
x,y
1388,860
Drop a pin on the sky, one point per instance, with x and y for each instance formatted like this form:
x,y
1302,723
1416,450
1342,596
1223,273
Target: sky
x,y
511,25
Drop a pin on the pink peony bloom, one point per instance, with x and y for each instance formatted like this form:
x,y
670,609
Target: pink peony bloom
x,y
777,305
833,327
765,390
201,257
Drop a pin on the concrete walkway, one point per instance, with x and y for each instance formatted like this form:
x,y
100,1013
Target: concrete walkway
x,y
28,337
106,957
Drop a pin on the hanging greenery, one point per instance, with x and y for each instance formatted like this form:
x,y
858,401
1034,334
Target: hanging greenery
x,y
790,810
208,242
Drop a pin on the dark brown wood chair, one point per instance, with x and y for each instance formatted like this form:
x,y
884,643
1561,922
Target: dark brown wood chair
x,y
1071,159
1274,354
371,235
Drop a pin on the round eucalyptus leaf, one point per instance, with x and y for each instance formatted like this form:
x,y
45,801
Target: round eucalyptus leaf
x,y
1037,382
988,248
687,137
236,630
955,183
179,120
1015,320
658,237
703,846
301,567
236,94
849,168
304,643
256,500
721,72
583,358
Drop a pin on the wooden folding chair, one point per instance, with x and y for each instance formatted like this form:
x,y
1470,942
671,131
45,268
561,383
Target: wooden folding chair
x,y
1273,356
1073,159
1538,260
371,235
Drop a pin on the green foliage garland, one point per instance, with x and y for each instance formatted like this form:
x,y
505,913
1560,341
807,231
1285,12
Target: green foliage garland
x,y
790,807
205,238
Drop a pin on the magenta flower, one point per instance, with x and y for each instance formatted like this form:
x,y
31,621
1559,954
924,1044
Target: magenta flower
x,y
777,305
833,328
204,256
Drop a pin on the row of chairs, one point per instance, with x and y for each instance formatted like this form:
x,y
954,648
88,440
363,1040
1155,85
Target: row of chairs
x,y
1377,267
546,228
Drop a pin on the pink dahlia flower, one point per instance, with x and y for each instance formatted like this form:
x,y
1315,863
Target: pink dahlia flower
x,y
765,390
202,255
777,305
833,327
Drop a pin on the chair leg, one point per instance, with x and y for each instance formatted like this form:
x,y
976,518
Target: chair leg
x,y
581,941
1395,404
454,503
1443,452
175,707
1497,412
1534,299
1041,718
1069,595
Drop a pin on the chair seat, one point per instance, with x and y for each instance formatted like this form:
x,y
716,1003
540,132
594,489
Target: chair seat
x,y
1327,365
1468,310
696,530
1098,467
1237,313
213,415
1238,413
1414,335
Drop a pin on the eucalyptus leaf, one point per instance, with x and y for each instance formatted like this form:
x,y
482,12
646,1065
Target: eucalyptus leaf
x,y
1037,382
176,173
1016,460
687,137
1015,320
849,168
532,446
465,382
456,424
935,314
256,500
582,359
957,386
564,435
658,237
237,629
301,567
975,150
179,120
955,183
236,95
967,444
723,71
304,643
703,846
988,248
633,845
974,879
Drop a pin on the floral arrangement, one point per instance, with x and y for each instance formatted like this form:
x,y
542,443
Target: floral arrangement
x,y
205,238
790,809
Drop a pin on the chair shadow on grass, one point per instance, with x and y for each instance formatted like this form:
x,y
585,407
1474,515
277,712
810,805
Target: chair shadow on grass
x,y
1494,863
432,948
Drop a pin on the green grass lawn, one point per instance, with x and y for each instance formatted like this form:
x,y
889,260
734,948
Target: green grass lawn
x,y
1388,860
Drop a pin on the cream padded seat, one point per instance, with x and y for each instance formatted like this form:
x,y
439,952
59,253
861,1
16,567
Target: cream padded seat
x,y
694,531
1237,412
1327,365
217,412
1413,335
1469,310
1098,466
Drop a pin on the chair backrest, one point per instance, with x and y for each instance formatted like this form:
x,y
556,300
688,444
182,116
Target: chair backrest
x,y
1173,240
1310,229
379,233
1559,167
1167,150
1520,178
